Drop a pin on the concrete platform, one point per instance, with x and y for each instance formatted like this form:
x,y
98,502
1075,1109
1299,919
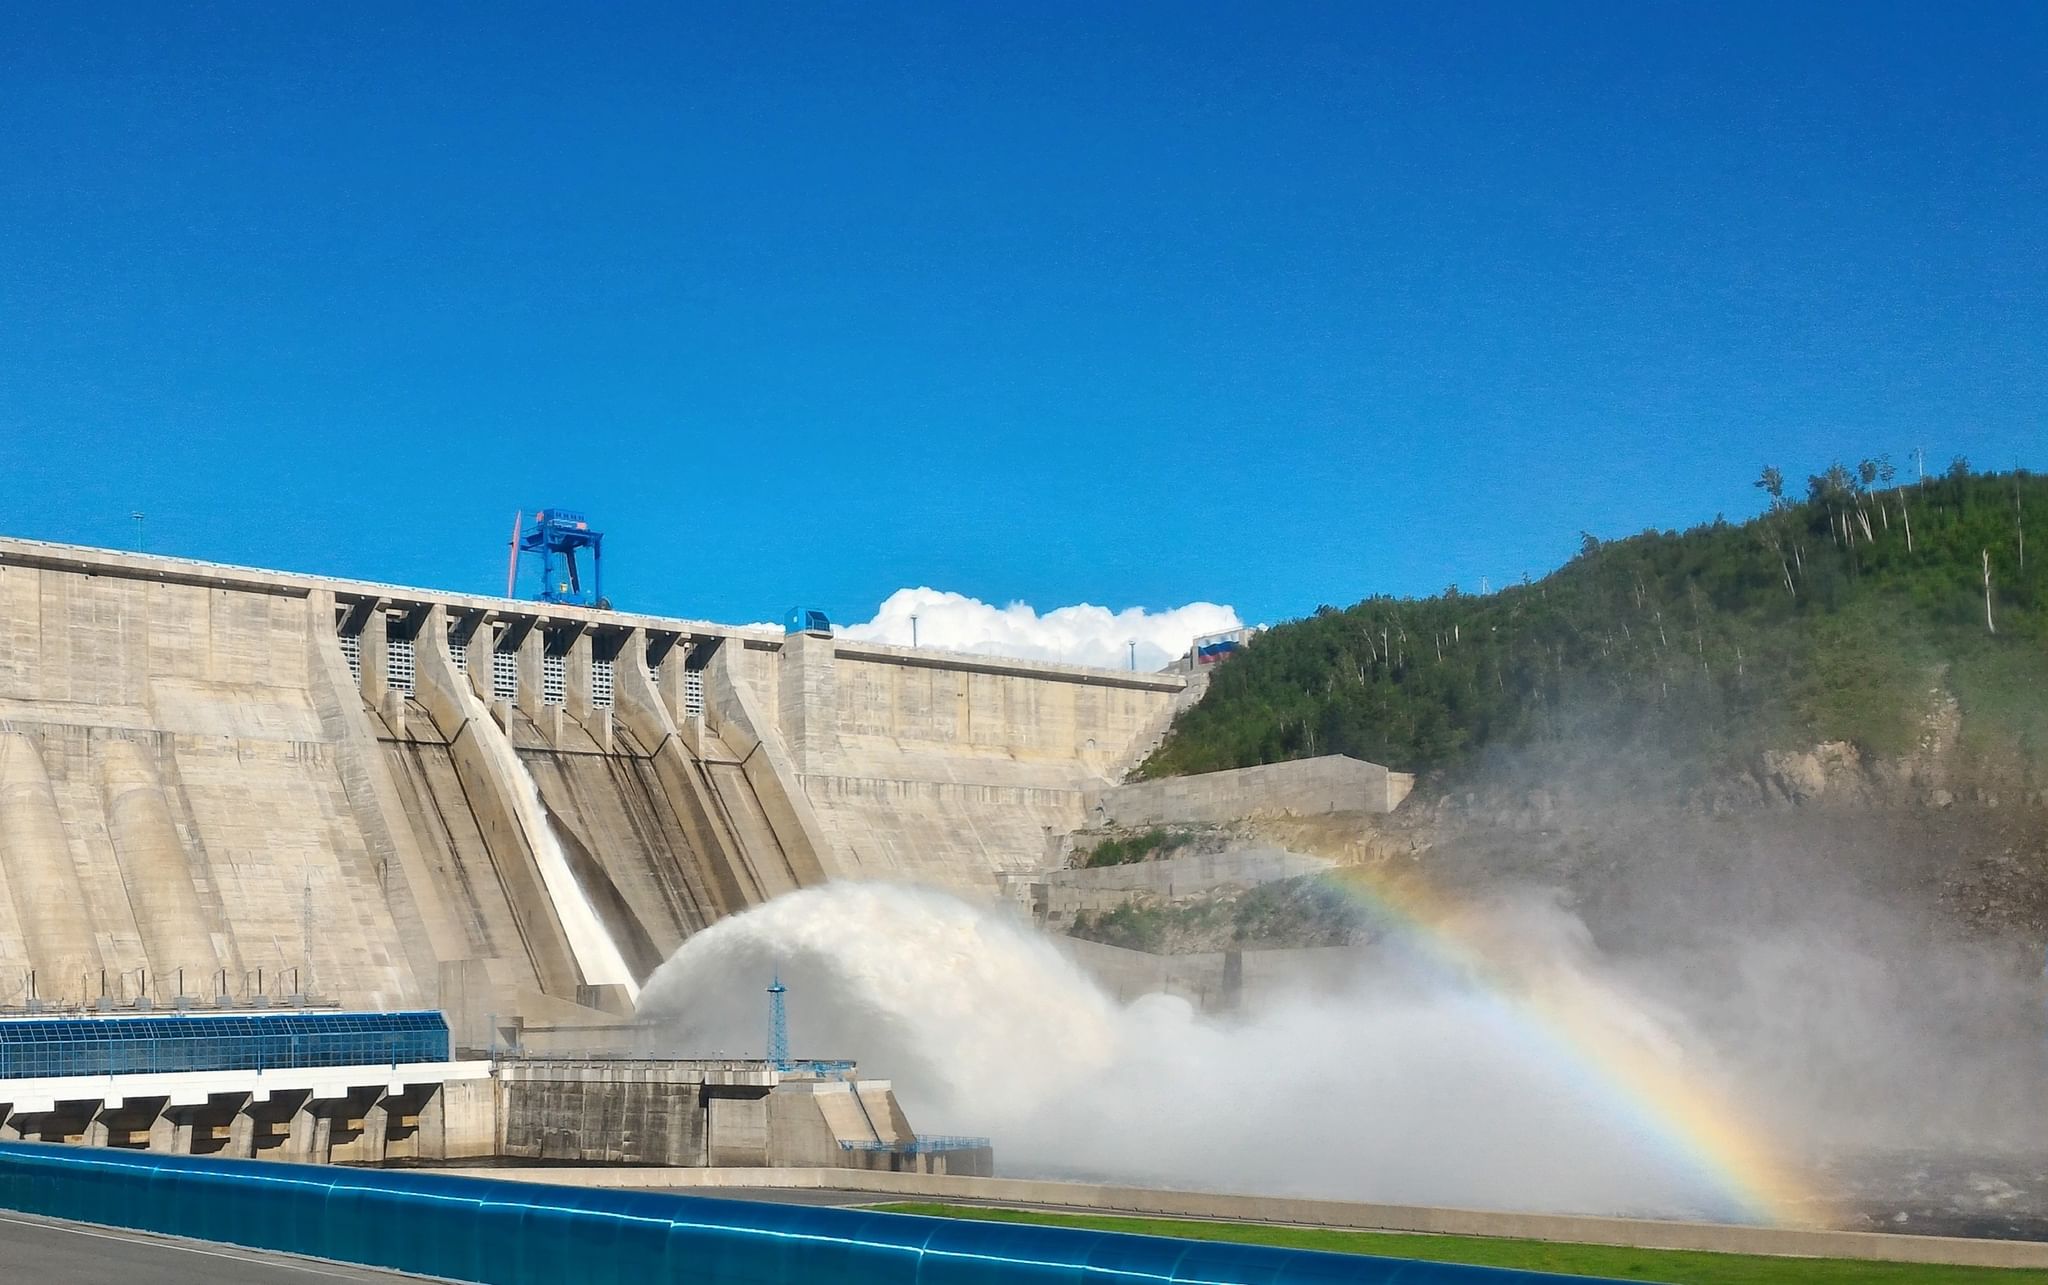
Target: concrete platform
x,y
51,1252
196,1088
359,1114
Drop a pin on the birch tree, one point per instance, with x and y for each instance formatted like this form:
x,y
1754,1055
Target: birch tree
x,y
1987,593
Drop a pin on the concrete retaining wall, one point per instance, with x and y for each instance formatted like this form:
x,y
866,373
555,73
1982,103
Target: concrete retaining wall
x,y
1196,873
1302,787
683,1113
950,769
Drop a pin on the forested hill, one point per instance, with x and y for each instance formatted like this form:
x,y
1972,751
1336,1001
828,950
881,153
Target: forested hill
x,y
1841,614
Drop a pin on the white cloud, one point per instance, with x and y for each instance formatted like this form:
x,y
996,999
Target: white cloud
x,y
1079,635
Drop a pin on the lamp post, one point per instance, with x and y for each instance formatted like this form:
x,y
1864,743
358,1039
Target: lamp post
x,y
137,515
1134,655
913,629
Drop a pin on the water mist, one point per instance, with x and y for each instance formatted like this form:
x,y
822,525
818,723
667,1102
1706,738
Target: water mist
x,y
1412,1085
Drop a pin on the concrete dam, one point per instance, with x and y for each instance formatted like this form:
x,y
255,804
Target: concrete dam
x,y
220,782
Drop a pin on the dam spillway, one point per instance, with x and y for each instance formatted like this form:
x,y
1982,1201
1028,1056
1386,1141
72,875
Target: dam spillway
x,y
217,778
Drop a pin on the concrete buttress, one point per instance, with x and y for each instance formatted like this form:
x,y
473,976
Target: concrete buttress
x,y
730,711
161,890
56,922
489,770
428,929
735,880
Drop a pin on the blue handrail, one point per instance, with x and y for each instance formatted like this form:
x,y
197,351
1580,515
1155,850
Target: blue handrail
x,y
508,1233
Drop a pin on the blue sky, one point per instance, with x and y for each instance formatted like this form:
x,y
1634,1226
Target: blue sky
x,y
1139,304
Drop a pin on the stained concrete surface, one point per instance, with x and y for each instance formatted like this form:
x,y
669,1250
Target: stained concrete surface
x,y
52,1252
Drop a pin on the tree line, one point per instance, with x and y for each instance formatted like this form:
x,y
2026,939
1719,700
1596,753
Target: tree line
x,y
1828,616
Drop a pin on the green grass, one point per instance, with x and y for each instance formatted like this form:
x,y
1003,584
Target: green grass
x,y
1138,847
1674,1267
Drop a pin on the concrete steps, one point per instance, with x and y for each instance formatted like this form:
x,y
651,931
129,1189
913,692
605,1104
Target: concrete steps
x,y
1156,732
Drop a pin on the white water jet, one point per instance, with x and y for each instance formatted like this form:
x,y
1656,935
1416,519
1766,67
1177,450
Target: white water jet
x,y
597,955
1394,1091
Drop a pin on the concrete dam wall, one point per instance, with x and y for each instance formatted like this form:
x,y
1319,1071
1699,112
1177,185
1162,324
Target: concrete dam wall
x,y
239,782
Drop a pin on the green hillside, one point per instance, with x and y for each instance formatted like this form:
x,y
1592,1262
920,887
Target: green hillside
x,y
1835,615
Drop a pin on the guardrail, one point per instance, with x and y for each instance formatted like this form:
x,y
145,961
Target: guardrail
x,y
474,1229
46,1045
919,1146
814,1068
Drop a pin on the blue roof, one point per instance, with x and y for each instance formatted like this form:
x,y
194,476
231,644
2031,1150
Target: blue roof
x,y
131,1044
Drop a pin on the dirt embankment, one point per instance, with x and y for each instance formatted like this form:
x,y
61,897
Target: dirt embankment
x,y
1949,841
1943,837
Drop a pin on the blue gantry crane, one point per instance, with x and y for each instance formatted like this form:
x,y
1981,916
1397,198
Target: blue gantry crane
x,y
571,557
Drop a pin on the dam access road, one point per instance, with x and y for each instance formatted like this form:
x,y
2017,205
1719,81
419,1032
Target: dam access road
x,y
51,1251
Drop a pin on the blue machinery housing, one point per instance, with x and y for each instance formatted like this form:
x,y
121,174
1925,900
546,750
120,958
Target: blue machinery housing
x,y
474,1229
806,620
557,535
53,1046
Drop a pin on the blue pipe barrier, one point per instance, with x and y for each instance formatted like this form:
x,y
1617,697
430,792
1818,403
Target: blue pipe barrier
x,y
514,1233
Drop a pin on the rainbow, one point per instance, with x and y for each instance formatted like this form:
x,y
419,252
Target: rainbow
x,y
1559,1017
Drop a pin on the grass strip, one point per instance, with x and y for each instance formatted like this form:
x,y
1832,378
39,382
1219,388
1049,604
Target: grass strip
x,y
1671,1266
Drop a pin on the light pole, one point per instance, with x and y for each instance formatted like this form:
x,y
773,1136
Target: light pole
x,y
138,529
1134,655
913,629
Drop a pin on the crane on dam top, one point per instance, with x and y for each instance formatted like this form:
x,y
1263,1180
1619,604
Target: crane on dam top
x,y
557,536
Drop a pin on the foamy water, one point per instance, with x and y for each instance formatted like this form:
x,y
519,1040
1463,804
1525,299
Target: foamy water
x,y
597,955
1402,1089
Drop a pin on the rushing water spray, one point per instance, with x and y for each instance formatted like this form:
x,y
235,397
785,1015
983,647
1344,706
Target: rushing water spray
x,y
1395,1090
590,941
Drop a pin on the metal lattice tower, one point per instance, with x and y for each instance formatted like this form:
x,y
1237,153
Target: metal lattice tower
x,y
778,1024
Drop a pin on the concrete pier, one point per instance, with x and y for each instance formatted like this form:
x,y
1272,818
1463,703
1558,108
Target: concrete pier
x,y
359,1114
669,1112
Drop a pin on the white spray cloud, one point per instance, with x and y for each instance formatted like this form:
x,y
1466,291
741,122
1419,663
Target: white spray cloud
x,y
1082,634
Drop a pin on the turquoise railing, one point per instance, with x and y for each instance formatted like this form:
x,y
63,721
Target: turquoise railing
x,y
511,1233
